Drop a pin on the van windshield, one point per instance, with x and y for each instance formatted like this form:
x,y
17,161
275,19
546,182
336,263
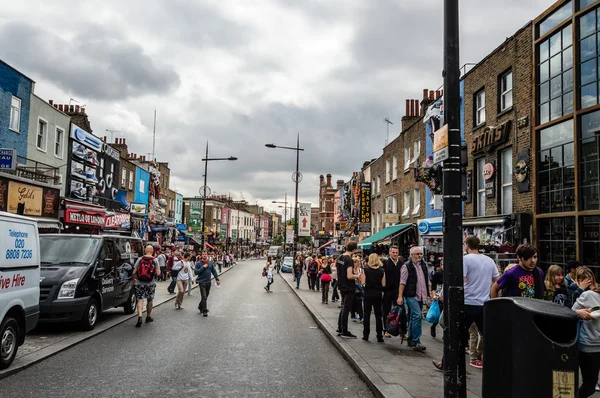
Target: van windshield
x,y
70,250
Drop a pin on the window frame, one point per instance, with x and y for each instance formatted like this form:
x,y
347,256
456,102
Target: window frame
x,y
479,165
416,202
123,177
378,185
388,170
60,142
394,167
407,159
479,118
503,184
417,152
12,112
406,212
130,182
503,91
44,135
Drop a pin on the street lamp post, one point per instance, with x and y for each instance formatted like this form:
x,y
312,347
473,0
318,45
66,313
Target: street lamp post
x,y
296,180
206,160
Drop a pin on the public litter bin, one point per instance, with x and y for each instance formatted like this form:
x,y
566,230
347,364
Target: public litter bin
x,y
530,349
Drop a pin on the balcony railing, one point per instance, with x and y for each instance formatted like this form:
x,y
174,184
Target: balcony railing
x,y
35,171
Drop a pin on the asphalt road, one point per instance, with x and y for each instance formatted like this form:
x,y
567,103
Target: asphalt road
x,y
252,344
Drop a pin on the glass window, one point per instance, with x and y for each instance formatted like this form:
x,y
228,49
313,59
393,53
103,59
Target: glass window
x,y
123,176
42,135
131,180
555,76
406,211
479,107
15,114
557,241
406,158
556,18
394,167
387,171
585,3
506,86
556,169
142,186
416,152
480,188
378,185
590,243
416,202
506,180
590,185
588,55
58,142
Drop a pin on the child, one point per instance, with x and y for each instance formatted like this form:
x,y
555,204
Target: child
x,y
589,337
556,291
584,279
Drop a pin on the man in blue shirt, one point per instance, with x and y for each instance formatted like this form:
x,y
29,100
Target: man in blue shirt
x,y
203,269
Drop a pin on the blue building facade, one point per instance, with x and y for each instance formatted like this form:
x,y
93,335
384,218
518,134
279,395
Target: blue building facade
x,y
178,208
142,186
15,101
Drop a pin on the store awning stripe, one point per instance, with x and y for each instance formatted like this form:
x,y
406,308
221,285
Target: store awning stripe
x,y
383,234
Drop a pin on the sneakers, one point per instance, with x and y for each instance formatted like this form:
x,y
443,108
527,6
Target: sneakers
x,y
79,193
476,364
91,157
388,335
78,172
419,348
439,365
139,322
362,320
353,319
90,176
410,344
149,319
79,151
348,335
380,339
597,387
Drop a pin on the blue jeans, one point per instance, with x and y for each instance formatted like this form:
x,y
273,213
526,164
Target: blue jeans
x,y
298,276
173,284
414,323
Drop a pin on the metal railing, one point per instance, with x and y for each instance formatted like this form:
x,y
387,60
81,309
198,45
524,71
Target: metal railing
x,y
35,171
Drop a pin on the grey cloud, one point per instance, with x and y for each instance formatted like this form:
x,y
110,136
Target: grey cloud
x,y
97,63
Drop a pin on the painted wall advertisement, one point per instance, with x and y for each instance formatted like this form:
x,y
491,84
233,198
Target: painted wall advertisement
x,y
304,219
195,222
38,201
365,207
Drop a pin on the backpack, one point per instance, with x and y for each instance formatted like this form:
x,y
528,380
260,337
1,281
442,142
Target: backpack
x,y
396,321
312,267
146,271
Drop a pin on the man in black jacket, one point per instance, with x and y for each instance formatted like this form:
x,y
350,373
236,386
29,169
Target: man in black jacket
x,y
392,268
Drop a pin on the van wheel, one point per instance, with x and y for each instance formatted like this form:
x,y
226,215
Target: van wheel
x,y
9,341
90,315
131,304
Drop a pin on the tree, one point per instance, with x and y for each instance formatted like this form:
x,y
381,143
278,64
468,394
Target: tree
x,y
278,240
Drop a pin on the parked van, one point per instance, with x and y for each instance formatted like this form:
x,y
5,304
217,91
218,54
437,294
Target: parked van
x,y
275,252
84,275
19,282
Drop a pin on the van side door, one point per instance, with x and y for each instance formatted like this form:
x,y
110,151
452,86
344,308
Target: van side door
x,y
104,275
125,261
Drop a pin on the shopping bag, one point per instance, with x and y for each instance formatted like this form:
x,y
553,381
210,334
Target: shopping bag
x,y
433,315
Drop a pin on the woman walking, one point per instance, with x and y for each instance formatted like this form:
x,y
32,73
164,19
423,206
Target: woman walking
x,y
183,270
357,305
325,280
298,267
373,279
268,273
334,283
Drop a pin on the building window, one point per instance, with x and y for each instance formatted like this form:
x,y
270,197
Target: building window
x,y
123,177
585,3
378,185
588,58
506,180
15,114
406,211
395,167
416,202
555,18
58,142
131,180
590,144
555,76
42,135
479,108
406,158
506,91
387,171
323,206
142,186
417,152
378,221
557,241
392,204
480,188
590,243
556,172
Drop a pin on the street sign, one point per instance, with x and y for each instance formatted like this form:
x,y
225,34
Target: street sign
x,y
289,236
440,145
304,218
8,159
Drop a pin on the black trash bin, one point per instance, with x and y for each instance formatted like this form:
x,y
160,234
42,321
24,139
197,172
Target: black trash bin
x,y
530,349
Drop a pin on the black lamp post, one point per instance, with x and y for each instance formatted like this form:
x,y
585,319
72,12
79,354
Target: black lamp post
x,y
296,179
206,160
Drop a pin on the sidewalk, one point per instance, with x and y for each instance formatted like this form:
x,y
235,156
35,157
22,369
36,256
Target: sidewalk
x,y
390,369
48,340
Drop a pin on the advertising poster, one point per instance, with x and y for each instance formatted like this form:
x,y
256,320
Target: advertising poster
x,y
365,207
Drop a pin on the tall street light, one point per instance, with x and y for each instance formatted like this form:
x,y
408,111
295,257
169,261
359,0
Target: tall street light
x,y
204,188
284,216
296,177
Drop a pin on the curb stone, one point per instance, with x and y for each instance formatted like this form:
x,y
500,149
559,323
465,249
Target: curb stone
x,y
47,352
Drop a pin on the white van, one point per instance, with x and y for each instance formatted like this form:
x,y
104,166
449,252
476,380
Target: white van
x,y
19,282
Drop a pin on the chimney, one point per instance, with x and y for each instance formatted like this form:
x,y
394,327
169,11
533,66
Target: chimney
x,y
124,142
340,183
82,109
104,139
72,108
407,113
431,93
56,106
438,94
116,140
60,107
414,111
51,102
425,93
76,108
321,178
329,180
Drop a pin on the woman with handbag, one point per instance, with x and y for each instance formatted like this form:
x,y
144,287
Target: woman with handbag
x,y
373,280
268,273
325,280
183,272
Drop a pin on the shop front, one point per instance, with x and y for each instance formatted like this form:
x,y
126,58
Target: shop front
x,y
83,218
402,235
431,239
36,201
118,223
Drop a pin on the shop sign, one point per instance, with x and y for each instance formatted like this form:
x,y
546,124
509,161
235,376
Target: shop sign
x,y
365,207
488,176
490,137
391,218
87,139
440,145
521,171
118,220
430,225
38,201
93,218
195,222
8,158
137,208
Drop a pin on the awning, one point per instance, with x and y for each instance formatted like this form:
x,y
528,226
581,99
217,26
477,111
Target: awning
x,y
196,240
383,234
84,214
48,223
326,244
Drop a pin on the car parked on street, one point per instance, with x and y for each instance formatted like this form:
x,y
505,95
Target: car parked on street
x,y
19,282
288,265
84,275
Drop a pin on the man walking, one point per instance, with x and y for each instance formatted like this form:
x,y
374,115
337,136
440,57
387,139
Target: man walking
x,y
204,268
174,257
392,268
347,285
145,270
414,286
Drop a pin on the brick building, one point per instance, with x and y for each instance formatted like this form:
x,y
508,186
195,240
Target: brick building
x,y
127,168
497,131
326,203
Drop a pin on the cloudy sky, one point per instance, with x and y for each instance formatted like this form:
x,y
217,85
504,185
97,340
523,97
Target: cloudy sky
x,y
242,73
